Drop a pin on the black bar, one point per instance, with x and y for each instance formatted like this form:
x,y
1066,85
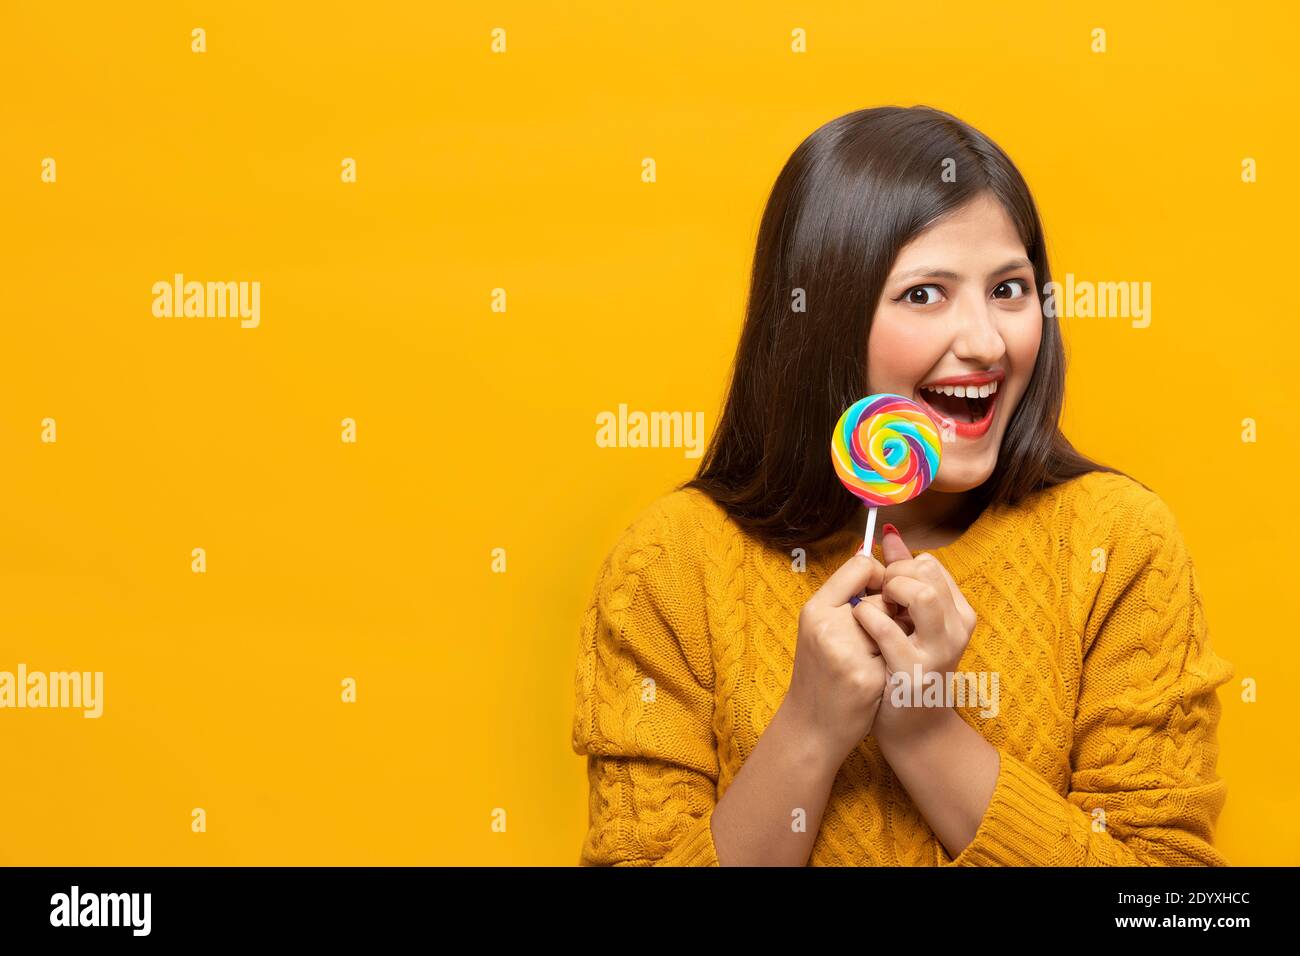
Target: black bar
x,y
238,904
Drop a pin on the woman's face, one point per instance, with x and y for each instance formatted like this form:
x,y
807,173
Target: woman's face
x,y
960,303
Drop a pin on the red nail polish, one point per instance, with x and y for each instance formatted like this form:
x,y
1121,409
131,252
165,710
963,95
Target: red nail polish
x,y
888,529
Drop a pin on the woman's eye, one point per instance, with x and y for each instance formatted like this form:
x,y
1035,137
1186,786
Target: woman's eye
x,y
919,295
1011,284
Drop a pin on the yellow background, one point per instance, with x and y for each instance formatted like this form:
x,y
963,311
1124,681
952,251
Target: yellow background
x,y
477,429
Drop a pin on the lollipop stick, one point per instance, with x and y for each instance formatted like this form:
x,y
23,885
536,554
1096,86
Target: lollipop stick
x,y
866,548
869,538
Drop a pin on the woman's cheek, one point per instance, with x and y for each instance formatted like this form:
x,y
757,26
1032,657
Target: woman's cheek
x,y
1023,340
1028,337
900,352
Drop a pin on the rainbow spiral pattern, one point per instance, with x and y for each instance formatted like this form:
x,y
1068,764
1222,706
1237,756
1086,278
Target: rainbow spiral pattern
x,y
886,449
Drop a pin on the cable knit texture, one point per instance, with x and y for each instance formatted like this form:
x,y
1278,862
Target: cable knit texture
x,y
1089,611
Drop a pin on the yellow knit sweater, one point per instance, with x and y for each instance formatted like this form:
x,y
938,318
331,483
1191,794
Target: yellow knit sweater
x,y
1089,609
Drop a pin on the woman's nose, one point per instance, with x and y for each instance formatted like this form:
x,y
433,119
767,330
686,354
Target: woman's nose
x,y
978,337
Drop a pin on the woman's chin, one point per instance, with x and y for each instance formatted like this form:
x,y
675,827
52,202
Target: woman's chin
x,y
955,477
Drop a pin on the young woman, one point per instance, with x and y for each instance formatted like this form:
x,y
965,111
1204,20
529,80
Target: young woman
x,y
751,691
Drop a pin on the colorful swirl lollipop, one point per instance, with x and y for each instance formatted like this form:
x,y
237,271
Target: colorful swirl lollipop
x,y
886,450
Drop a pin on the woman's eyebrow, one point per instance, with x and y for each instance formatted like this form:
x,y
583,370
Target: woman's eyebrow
x,y
929,272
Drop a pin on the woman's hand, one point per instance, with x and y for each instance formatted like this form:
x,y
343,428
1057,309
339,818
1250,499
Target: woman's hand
x,y
920,617
839,674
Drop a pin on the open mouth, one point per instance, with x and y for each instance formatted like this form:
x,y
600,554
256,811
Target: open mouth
x,y
968,404
969,408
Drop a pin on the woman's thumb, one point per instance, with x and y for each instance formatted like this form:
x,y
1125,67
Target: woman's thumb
x,y
892,547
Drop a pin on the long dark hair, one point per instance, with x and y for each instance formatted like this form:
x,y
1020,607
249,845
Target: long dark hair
x,y
849,198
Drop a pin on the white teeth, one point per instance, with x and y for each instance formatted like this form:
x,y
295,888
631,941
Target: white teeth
x,y
964,391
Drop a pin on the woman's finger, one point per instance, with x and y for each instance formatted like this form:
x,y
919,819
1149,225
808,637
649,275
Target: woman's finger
x,y
927,605
958,599
923,568
855,575
845,614
892,547
896,647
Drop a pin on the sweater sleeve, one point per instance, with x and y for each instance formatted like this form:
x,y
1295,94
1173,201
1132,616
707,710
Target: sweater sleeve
x,y
1142,787
644,712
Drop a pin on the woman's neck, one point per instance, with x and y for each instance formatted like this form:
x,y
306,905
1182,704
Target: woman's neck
x,y
933,520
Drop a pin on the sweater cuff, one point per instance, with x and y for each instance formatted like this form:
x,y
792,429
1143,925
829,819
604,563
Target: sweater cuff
x,y
695,847
1026,823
